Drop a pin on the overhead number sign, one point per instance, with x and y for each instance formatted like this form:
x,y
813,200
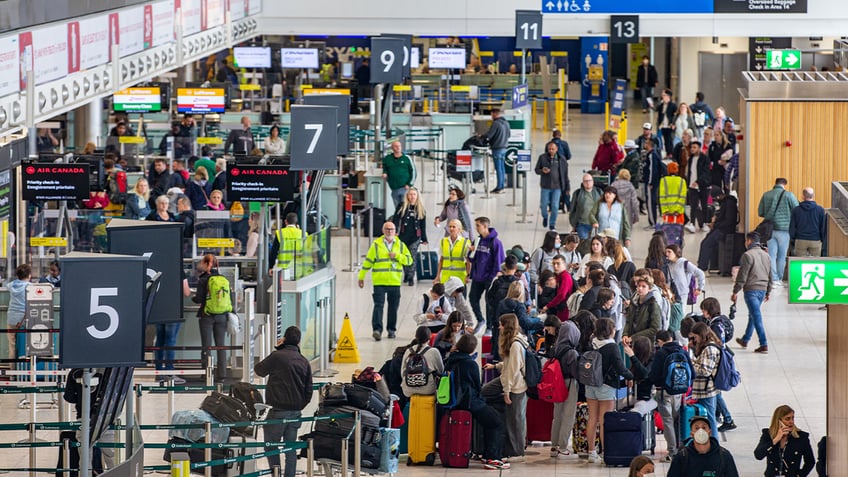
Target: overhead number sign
x,y
783,59
624,29
407,53
528,30
314,137
666,7
819,281
387,60
342,104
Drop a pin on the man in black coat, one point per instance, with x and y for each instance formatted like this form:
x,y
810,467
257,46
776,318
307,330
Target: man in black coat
x,y
646,80
724,222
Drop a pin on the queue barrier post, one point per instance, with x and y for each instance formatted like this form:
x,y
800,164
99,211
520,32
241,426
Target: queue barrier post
x,y
357,442
310,458
275,471
172,397
32,457
66,457
345,456
207,453
180,464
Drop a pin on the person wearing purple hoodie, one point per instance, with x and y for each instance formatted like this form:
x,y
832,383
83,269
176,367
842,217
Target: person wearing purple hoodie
x,y
486,255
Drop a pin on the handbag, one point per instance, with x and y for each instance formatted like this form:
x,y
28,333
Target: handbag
x,y
766,227
233,324
693,286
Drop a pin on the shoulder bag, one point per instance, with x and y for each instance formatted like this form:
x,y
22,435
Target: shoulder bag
x,y
766,227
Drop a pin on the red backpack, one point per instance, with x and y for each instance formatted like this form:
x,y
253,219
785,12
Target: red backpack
x,y
552,386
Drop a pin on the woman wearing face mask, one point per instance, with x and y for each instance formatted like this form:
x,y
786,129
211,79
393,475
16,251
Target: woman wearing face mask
x,y
784,446
641,466
705,348
542,257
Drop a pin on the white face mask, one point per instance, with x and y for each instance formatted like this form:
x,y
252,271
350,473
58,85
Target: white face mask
x,y
701,436
557,245
649,475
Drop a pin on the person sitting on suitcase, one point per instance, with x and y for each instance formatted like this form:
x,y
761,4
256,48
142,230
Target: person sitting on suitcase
x,y
434,309
723,223
465,375
702,455
289,391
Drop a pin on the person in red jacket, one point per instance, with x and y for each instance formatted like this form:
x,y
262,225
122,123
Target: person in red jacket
x,y
565,285
607,155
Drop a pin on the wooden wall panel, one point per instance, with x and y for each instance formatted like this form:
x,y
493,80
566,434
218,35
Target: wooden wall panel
x,y
817,157
837,369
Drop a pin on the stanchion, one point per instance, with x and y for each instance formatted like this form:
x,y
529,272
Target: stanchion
x,y
85,426
172,398
324,371
66,456
514,182
357,443
275,471
371,224
486,178
345,456
32,456
524,204
207,453
310,458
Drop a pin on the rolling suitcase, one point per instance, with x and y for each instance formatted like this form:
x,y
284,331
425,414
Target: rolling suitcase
x,y
485,357
377,226
389,450
730,252
421,439
427,264
540,415
455,431
622,437
403,445
649,432
687,412
249,395
579,443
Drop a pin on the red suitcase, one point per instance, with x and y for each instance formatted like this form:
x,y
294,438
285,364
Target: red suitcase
x,y
455,439
540,415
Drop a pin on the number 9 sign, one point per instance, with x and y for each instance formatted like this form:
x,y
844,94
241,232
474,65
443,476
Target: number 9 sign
x,y
387,60
102,317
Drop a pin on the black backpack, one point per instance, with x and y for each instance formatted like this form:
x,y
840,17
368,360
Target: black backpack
x,y
417,372
249,395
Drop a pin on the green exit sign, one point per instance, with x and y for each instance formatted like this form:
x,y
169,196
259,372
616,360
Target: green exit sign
x,y
822,281
783,59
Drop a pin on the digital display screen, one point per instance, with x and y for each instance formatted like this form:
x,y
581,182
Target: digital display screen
x,y
252,56
137,100
299,58
447,58
200,100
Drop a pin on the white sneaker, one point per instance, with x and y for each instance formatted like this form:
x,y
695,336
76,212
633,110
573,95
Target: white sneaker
x,y
690,227
777,284
705,228
594,458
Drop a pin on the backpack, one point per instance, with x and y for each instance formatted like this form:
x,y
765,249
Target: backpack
x,y
551,387
116,186
416,373
723,328
727,376
532,368
699,116
590,370
693,286
573,303
446,392
677,373
427,302
217,296
249,395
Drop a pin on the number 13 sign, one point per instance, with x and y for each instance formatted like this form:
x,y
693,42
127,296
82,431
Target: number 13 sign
x,y
102,317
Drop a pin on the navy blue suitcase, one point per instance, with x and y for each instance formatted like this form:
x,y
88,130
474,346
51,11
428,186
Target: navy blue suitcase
x,y
622,437
427,265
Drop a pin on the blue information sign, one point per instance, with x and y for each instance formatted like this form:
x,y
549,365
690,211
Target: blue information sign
x,y
519,96
617,6
617,104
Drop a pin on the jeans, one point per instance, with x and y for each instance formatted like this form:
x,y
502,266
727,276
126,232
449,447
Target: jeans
x,y
214,326
381,293
669,409
478,288
721,410
667,138
166,336
493,432
753,300
778,246
499,157
710,404
282,433
583,231
647,92
708,255
550,198
398,195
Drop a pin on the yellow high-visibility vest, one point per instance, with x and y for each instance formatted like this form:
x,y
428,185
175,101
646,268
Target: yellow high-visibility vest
x,y
453,258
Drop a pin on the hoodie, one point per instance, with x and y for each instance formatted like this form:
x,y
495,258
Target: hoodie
x,y
512,367
717,461
612,363
488,257
460,302
808,221
565,349
17,302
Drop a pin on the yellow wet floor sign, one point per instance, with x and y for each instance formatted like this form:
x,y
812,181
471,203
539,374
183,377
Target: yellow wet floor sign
x,y
346,350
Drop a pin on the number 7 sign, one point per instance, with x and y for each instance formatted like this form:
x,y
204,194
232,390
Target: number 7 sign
x,y
314,137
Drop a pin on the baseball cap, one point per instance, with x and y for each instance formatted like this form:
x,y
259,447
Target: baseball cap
x,y
699,418
647,126
630,144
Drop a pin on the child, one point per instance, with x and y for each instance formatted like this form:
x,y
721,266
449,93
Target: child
x,y
572,256
547,281
435,309
603,304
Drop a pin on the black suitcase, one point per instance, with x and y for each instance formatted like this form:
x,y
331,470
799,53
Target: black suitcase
x,y
427,265
249,395
377,226
730,252
228,409
366,399
329,446
342,426
199,455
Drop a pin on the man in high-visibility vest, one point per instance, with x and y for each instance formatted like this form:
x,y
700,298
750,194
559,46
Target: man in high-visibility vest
x,y
288,242
672,194
386,258
454,252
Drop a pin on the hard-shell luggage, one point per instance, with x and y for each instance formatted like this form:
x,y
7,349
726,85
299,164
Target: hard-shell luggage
x,y
228,409
486,356
422,429
455,431
403,446
377,226
579,443
246,466
197,416
649,432
673,233
389,450
199,455
622,437
427,264
687,412
540,415
249,395
730,252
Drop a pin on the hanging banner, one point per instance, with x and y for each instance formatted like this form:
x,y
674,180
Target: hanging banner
x,y
45,51
214,13
191,16
236,9
9,65
93,41
163,23
131,27
114,32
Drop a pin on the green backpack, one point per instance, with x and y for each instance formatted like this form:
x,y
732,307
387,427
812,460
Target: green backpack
x,y
446,391
218,296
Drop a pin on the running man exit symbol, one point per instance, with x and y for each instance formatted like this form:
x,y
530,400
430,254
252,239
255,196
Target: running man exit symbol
x,y
812,284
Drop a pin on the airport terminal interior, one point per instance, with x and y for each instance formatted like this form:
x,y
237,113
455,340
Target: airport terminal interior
x,y
193,80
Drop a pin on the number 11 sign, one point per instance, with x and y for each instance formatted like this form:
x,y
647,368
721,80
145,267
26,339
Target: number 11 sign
x,y
528,30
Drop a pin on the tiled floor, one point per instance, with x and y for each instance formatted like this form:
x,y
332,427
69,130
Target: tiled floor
x,y
792,373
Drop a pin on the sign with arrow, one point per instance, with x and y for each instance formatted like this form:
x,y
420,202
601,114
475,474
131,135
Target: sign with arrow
x,y
617,6
519,96
783,60
757,47
820,281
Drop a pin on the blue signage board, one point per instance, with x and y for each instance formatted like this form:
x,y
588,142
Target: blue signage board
x,y
519,96
618,97
593,69
618,6
523,161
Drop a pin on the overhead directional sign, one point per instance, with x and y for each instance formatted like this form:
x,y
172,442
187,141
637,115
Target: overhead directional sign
x,y
617,6
783,59
528,30
314,137
821,281
757,47
519,96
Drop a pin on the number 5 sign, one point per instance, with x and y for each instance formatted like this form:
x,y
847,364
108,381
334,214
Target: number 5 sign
x,y
314,137
102,317
387,60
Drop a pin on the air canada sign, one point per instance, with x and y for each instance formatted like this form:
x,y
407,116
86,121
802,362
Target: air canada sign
x,y
256,183
55,181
